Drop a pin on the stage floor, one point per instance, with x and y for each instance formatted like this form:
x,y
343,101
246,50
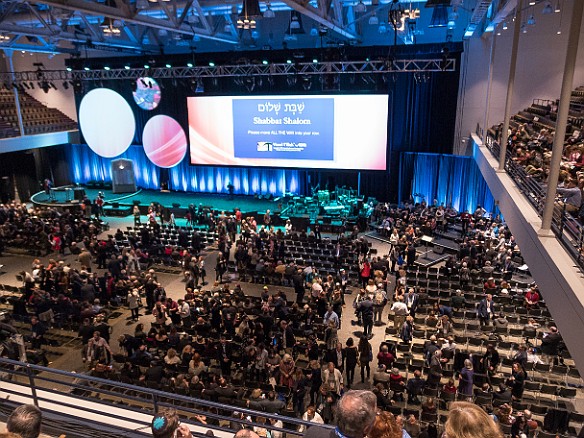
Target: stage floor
x,y
166,199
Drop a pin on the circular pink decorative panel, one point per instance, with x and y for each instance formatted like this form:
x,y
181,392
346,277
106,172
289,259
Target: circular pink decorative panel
x,y
165,142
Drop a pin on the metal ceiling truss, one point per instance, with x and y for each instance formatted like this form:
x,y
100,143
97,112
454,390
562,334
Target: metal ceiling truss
x,y
277,69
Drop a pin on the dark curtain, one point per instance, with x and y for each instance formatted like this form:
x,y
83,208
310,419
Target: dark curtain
x,y
422,117
451,180
18,171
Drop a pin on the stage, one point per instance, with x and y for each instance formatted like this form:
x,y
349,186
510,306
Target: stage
x,y
334,211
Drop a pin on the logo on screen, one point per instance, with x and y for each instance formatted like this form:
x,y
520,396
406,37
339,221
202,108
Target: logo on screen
x,y
264,146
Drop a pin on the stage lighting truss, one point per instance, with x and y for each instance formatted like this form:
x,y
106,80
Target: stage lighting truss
x,y
276,69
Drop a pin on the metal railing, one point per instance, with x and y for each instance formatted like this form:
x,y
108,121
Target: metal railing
x,y
96,395
567,229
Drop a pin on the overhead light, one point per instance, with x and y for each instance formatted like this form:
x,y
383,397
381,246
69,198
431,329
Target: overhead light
x,y
106,68
168,66
227,27
531,20
265,62
110,27
314,31
189,64
288,61
250,11
86,68
69,69
382,27
146,66
373,20
505,27
547,9
523,28
360,7
211,64
295,20
557,8
452,17
127,67
269,13
4,38
532,2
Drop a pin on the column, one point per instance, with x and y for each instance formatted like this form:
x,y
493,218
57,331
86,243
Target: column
x,y
510,84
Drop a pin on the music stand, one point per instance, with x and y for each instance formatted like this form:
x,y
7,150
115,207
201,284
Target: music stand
x,y
427,240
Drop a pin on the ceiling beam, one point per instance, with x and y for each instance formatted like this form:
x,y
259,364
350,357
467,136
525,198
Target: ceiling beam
x,y
144,20
320,17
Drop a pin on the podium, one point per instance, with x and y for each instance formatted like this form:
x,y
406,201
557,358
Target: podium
x,y
123,179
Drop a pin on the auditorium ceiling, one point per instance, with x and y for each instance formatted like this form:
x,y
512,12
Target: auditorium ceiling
x,y
121,27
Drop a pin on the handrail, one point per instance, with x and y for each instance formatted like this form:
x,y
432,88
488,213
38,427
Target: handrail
x,y
152,399
568,230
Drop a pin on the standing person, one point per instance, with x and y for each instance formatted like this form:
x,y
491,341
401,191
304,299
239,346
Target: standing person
x,y
365,357
224,354
220,268
351,356
97,348
365,307
134,303
466,380
365,272
485,310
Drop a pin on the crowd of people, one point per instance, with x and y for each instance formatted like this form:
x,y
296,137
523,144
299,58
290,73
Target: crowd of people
x,y
220,344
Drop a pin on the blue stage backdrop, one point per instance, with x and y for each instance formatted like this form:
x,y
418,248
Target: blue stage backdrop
x,y
450,179
85,166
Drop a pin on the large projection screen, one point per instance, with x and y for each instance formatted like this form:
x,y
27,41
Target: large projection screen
x,y
316,131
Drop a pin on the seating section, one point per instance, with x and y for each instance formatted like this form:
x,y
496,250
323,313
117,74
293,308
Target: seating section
x,y
36,117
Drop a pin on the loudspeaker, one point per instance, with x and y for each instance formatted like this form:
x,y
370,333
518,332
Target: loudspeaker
x,y
438,250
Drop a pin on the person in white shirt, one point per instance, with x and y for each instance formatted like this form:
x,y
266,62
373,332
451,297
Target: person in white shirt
x,y
184,310
400,310
311,416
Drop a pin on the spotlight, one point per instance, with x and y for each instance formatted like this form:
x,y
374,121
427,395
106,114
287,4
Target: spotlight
x,y
106,68
269,13
146,66
265,62
211,64
315,61
557,9
86,68
505,27
168,66
288,61
189,64
69,69
127,67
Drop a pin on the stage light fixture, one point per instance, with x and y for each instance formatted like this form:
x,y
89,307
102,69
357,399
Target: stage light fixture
x,y
557,9
86,68
189,64
360,7
106,68
532,2
382,27
288,61
548,8
146,66
531,20
315,61
69,69
4,38
295,20
505,27
373,20
168,66
265,62
211,64
127,67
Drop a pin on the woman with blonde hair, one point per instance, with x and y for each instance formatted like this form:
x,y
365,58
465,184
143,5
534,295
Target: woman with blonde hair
x,y
467,420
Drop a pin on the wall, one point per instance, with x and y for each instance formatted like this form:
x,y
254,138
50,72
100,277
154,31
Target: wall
x,y
540,65
61,99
